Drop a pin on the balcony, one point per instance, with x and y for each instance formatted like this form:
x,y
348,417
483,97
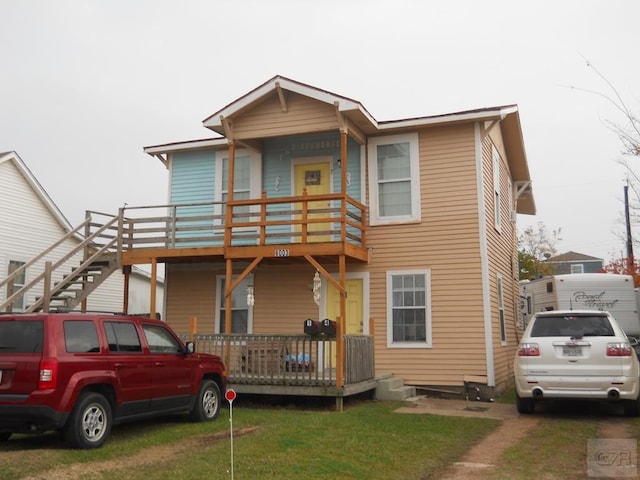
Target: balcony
x,y
323,225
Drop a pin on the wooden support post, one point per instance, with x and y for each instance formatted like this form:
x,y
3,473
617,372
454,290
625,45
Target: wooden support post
x,y
227,296
46,295
193,328
154,279
341,325
125,297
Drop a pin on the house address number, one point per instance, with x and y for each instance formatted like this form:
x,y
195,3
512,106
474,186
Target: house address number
x,y
282,252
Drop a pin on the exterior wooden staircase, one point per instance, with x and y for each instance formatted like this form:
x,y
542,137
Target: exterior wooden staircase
x,y
75,282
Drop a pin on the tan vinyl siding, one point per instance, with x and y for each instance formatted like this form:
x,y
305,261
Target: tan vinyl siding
x,y
283,299
303,116
447,242
190,292
502,260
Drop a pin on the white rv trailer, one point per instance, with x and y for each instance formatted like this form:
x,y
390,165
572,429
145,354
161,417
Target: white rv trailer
x,y
580,291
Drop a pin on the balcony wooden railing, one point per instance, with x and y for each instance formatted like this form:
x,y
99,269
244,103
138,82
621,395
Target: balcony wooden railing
x,y
291,360
252,222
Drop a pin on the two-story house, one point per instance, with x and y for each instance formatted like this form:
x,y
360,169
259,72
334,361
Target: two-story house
x,y
316,248
402,231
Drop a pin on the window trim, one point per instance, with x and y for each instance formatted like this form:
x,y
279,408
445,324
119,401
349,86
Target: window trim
x,y
414,164
428,320
13,287
579,268
220,285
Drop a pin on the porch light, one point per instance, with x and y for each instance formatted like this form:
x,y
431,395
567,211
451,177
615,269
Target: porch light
x,y
250,299
317,283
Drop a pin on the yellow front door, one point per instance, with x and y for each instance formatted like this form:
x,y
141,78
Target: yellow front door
x,y
354,305
316,178
354,313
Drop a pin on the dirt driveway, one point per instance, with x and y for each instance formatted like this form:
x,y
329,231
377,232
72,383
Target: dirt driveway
x,y
477,464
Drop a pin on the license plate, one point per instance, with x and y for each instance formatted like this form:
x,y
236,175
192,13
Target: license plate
x,y
571,351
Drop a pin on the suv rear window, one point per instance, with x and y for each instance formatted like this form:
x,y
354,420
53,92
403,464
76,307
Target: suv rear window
x,y
572,326
122,337
21,336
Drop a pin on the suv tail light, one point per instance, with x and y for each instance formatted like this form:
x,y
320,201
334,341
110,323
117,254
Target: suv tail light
x,y
619,349
528,350
48,373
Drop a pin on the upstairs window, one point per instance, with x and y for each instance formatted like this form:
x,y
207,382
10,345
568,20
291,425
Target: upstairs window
x,y
496,189
394,179
246,182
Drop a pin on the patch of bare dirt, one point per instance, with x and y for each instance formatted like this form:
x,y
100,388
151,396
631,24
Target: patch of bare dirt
x,y
478,461
147,456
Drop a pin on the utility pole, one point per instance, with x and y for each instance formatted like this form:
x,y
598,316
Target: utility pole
x,y
630,260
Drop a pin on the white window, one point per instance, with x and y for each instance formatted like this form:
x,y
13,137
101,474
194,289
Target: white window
x,y
394,179
16,284
409,309
579,268
503,330
496,188
241,311
246,182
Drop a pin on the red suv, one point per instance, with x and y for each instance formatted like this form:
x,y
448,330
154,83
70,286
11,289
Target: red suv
x,y
83,372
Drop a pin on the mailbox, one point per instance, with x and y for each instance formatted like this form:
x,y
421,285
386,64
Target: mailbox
x,y
311,327
328,327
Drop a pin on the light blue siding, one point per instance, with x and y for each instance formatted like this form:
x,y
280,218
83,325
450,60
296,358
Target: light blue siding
x,y
193,181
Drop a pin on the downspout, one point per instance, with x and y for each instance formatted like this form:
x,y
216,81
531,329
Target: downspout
x,y
484,261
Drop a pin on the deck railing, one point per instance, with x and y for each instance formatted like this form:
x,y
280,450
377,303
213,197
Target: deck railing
x,y
293,360
262,221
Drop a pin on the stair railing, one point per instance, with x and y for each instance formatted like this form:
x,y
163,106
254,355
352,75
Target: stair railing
x,y
50,290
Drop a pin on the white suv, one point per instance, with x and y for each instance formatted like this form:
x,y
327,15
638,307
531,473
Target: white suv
x,y
576,354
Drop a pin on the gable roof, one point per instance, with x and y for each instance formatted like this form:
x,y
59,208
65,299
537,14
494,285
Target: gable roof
x,y
37,188
357,115
572,257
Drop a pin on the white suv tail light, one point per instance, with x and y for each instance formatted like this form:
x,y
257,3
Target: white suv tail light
x,y
528,350
619,349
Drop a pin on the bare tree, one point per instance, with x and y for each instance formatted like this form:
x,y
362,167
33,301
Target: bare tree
x,y
628,132
535,245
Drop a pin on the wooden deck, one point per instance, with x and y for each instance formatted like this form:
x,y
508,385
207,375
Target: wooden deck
x,y
292,364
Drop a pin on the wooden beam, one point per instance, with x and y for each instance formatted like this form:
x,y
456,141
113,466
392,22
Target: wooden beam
x,y
325,274
341,120
487,128
355,132
227,124
244,274
282,97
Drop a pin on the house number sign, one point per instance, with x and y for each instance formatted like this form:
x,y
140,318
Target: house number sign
x,y
281,252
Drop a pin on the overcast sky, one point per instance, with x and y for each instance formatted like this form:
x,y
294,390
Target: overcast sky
x,y
87,84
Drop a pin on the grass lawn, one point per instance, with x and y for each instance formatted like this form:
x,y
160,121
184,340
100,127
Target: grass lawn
x,y
367,440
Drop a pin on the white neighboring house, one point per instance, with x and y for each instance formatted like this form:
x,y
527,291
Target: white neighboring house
x,y
30,222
